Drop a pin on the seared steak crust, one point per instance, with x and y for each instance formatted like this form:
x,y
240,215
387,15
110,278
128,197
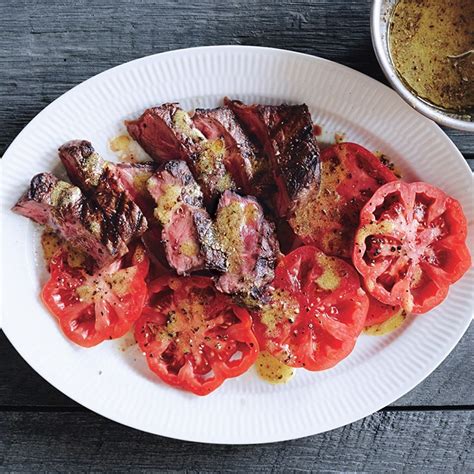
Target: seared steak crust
x,y
83,165
117,205
284,135
296,152
211,249
101,183
79,220
36,203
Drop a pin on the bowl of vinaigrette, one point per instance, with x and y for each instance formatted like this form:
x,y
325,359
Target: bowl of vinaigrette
x,y
426,50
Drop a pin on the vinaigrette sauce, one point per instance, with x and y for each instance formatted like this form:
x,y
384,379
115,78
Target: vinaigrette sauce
x,y
52,244
431,43
387,326
271,370
127,150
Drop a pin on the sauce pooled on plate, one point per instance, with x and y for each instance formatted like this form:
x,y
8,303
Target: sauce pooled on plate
x,y
272,370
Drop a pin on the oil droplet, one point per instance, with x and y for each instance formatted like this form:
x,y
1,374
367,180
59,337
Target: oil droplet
x,y
387,326
272,370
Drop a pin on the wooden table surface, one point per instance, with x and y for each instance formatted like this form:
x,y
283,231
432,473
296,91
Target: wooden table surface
x,y
48,47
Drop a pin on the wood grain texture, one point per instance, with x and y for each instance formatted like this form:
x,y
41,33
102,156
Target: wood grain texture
x,y
48,47
449,385
384,442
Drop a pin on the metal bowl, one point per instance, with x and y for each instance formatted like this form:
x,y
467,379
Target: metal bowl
x,y
380,22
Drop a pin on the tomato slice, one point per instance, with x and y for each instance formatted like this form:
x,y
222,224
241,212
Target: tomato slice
x,y
410,245
379,312
193,336
93,308
350,175
316,312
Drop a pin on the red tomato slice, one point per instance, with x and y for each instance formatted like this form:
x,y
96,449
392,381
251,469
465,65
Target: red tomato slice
x,y
93,308
410,245
316,312
193,336
350,175
379,312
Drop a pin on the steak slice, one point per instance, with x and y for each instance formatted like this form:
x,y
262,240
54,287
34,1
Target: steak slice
x,y
188,232
239,160
168,133
78,220
100,181
133,177
284,134
165,133
251,247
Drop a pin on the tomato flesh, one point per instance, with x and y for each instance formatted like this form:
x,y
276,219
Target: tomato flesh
x,y
93,308
350,175
316,312
379,312
410,245
193,336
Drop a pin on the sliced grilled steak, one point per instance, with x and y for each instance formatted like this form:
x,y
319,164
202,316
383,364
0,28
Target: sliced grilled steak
x,y
100,182
176,194
284,134
239,160
133,177
168,133
83,165
165,133
79,221
208,166
172,185
38,201
251,247
214,255
188,232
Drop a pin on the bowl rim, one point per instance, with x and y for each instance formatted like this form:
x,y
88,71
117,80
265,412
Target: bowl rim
x,y
384,62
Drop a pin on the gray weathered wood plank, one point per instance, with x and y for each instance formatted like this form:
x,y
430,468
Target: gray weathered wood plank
x,y
449,385
48,47
384,442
